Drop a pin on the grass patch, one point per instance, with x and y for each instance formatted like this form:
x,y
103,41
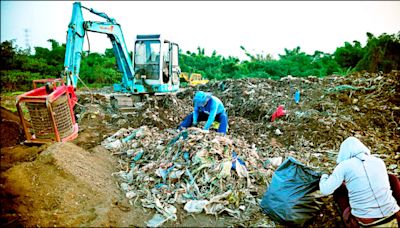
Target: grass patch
x,y
13,93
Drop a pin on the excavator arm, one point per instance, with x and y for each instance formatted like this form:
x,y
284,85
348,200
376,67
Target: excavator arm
x,y
75,39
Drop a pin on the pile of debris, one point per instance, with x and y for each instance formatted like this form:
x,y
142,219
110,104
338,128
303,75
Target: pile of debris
x,y
209,172
203,171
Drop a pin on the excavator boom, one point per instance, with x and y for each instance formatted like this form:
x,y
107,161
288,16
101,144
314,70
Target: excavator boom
x,y
75,39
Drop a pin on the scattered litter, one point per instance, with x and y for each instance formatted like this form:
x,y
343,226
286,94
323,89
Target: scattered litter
x,y
278,132
130,194
277,161
204,165
297,96
156,221
195,206
279,112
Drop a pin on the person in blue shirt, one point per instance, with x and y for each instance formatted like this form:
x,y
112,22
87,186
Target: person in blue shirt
x,y
206,108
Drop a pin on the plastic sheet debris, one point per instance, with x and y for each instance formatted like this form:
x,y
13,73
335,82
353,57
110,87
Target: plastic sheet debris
x,y
276,161
278,132
297,96
156,221
279,112
195,206
163,173
113,145
226,167
235,159
130,194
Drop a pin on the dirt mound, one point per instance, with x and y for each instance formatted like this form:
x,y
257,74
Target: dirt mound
x,y
11,132
68,186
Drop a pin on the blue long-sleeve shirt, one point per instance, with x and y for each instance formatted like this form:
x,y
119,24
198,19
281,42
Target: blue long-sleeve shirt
x,y
213,107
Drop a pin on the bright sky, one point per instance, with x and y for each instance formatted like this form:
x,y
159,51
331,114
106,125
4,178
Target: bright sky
x,y
260,26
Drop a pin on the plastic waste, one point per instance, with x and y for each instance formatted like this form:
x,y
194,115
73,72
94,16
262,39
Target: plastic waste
x,y
278,132
222,86
130,152
186,156
128,138
226,169
289,198
239,165
234,159
160,185
176,174
125,176
130,194
183,134
276,161
195,206
125,187
136,158
192,181
297,96
214,208
170,212
163,173
241,170
138,155
133,134
113,145
156,221
279,112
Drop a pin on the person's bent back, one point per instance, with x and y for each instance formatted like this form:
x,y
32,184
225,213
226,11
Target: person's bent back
x,y
366,180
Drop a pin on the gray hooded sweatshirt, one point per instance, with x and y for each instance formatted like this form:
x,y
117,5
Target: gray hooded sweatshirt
x,y
366,180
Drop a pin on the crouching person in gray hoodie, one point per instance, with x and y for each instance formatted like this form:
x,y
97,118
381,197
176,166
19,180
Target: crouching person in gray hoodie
x,y
362,189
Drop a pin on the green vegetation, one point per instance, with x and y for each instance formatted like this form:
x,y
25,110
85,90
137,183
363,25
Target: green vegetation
x,y
18,67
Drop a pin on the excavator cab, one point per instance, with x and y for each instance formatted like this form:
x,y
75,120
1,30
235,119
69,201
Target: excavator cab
x,y
156,65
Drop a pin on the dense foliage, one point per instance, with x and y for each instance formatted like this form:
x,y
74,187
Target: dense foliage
x,y
18,67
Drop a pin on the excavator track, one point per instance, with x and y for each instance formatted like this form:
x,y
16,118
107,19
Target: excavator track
x,y
126,103
123,102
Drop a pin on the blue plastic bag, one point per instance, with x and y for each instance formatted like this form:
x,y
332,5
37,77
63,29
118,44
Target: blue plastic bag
x,y
234,157
297,96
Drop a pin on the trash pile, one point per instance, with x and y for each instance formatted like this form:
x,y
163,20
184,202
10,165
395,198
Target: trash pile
x,y
203,171
306,118
330,109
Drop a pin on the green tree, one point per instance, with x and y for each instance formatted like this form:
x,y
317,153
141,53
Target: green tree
x,y
381,53
349,55
7,53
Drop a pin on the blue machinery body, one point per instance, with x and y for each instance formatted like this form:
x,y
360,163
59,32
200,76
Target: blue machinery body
x,y
153,68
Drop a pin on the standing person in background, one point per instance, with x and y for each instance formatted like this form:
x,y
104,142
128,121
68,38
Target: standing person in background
x,y
362,189
206,108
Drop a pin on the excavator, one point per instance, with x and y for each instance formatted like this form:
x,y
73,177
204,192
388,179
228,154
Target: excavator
x,y
153,68
193,79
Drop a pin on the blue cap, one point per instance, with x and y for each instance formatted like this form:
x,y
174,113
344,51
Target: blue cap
x,y
200,98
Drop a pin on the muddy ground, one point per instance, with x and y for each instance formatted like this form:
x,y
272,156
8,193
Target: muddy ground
x,y
70,184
